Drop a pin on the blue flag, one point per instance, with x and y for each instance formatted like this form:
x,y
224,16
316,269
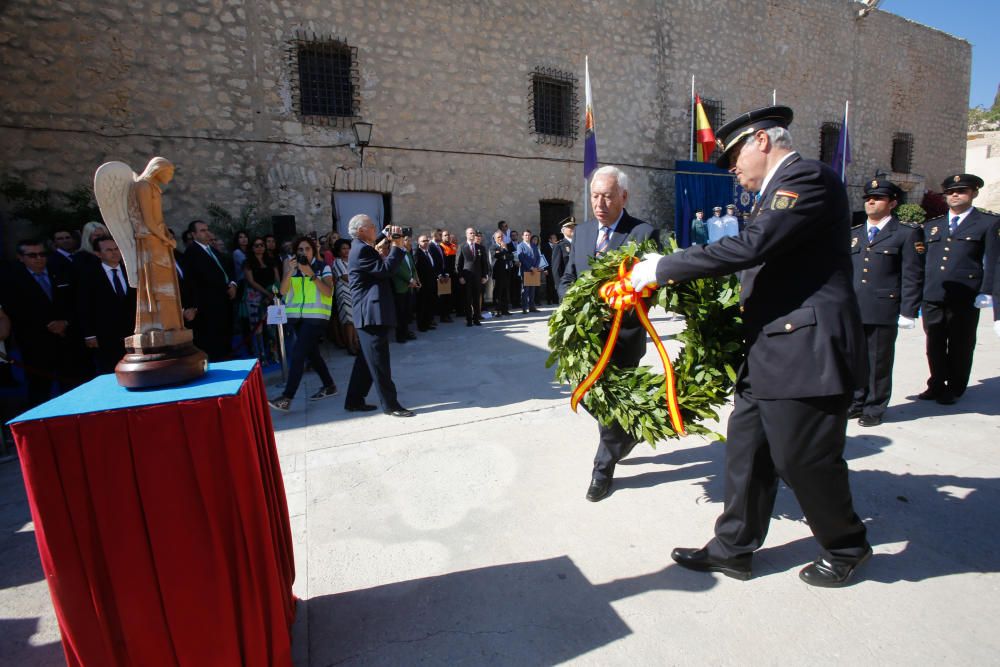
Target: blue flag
x,y
590,132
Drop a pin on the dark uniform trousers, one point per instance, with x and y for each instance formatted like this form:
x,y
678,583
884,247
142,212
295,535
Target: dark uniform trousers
x,y
614,443
951,340
873,398
764,443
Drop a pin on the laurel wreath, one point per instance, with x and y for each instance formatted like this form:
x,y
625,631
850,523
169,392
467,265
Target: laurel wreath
x,y
634,397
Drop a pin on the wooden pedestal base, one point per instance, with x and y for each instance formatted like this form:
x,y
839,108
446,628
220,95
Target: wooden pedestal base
x,y
160,367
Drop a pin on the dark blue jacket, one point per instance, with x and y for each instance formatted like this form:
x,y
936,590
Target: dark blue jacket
x,y
371,284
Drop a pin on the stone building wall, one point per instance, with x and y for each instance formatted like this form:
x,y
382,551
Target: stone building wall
x,y
208,84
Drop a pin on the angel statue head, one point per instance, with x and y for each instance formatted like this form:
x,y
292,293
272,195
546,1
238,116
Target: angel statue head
x,y
159,169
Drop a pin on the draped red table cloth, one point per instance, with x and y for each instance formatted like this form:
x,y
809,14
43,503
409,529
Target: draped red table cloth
x,y
161,521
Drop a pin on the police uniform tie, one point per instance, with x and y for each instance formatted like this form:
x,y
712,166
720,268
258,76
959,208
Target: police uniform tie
x,y
953,225
603,239
117,283
872,233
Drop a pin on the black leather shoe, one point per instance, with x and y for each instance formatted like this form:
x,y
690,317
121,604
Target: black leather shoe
x,y
946,398
410,335
927,395
831,574
478,323
364,407
400,412
533,309
854,413
447,319
699,560
869,420
599,489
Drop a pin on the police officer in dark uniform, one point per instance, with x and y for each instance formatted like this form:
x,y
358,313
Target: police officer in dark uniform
x,y
888,262
961,264
804,351
562,249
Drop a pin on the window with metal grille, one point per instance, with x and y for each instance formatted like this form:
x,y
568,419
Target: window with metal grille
x,y
902,152
553,103
325,78
715,111
829,135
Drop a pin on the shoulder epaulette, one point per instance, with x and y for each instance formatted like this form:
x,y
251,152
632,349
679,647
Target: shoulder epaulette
x,y
858,225
910,223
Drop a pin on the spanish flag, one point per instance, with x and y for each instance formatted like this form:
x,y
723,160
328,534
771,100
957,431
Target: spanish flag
x,y
704,136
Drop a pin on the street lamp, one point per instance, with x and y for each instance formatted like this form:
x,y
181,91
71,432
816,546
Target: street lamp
x,y
363,135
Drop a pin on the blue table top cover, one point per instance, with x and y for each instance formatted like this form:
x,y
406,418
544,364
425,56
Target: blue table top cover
x,y
104,393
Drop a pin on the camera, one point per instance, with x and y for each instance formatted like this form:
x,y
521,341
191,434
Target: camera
x,y
301,259
406,231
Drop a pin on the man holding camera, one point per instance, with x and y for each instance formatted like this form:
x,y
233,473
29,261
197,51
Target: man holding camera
x,y
374,313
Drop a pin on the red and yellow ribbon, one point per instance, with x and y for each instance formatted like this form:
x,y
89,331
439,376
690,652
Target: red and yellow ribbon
x,y
621,296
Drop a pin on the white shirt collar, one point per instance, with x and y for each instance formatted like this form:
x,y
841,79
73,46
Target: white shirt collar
x,y
206,248
961,216
67,255
767,179
880,224
109,269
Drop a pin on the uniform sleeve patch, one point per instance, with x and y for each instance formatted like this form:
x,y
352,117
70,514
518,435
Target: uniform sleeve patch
x,y
919,247
784,199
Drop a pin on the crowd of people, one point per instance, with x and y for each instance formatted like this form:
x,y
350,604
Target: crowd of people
x,y
66,305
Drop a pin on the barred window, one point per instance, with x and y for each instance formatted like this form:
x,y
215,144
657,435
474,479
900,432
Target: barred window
x,y
902,152
715,111
325,74
553,101
829,136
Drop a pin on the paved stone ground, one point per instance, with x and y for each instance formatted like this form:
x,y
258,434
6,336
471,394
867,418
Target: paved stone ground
x,y
461,536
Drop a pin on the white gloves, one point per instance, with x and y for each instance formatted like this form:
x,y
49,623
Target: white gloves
x,y
996,327
983,301
644,273
906,322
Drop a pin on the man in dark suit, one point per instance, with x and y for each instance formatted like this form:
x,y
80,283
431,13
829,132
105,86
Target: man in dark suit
x,y
40,305
963,250
473,272
374,315
210,291
805,351
612,228
430,266
888,258
561,251
63,246
106,306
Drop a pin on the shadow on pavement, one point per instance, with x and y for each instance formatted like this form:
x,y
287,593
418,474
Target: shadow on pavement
x,y
534,613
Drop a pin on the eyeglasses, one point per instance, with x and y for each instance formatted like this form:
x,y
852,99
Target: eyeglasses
x,y
33,255
258,245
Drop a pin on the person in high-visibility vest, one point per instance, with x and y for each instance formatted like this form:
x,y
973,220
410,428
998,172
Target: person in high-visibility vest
x,y
307,287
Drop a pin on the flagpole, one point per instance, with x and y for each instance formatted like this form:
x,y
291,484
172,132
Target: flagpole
x,y
691,143
843,158
774,97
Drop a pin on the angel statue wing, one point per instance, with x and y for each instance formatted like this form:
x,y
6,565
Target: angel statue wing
x,y
112,181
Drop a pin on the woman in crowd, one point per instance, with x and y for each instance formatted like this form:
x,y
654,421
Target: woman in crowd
x,y
501,264
86,256
241,249
345,312
261,278
307,285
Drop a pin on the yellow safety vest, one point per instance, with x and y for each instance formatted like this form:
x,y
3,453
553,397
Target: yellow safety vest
x,y
304,300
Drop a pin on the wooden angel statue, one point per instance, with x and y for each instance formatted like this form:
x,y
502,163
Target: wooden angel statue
x,y
132,208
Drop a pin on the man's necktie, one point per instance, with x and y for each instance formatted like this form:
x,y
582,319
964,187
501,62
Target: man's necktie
x,y
119,290
953,225
603,239
43,282
211,254
872,233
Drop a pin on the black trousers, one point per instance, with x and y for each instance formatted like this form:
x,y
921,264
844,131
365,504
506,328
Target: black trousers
x,y
372,365
404,313
426,304
615,443
873,398
951,339
473,301
501,296
802,442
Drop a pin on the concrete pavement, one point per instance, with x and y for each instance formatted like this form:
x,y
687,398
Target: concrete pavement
x,y
461,536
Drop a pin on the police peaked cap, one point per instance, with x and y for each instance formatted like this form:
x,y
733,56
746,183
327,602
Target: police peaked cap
x,y
883,188
732,134
962,181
